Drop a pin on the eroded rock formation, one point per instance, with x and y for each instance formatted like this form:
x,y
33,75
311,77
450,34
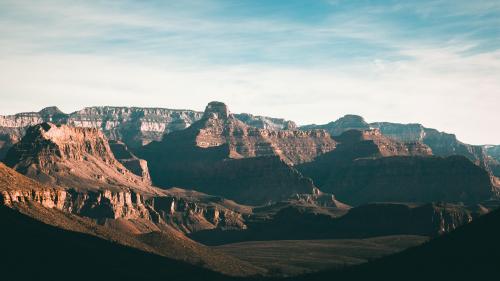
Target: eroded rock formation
x,y
223,156
72,157
135,126
441,143
183,210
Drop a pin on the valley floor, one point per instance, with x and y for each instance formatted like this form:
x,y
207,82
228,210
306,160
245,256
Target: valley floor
x,y
292,257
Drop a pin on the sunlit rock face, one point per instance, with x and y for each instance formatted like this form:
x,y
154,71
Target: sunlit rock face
x,y
72,157
184,210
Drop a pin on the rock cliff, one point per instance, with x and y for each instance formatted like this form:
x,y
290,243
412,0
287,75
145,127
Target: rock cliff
x,y
441,143
218,127
355,144
72,157
134,126
223,156
368,167
137,166
183,210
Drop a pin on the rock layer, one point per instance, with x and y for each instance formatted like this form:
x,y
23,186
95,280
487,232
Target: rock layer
x,y
441,143
356,144
221,155
135,126
185,211
72,157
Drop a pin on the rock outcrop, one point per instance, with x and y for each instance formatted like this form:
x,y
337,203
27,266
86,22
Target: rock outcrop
x,y
219,128
183,210
72,157
135,126
223,156
264,122
441,143
356,144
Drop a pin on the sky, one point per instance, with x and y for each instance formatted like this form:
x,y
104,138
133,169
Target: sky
x,y
434,62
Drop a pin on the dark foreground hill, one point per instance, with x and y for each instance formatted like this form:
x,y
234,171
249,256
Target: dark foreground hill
x,y
471,252
32,250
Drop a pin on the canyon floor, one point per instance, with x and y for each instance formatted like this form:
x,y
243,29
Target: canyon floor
x,y
294,257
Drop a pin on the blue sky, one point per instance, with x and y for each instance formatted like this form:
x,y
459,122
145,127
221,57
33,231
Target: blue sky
x,y
435,62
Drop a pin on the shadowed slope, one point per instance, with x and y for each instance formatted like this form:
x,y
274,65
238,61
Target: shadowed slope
x,y
471,252
41,203
32,250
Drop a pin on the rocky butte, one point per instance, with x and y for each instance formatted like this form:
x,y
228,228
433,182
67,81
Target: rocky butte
x,y
221,155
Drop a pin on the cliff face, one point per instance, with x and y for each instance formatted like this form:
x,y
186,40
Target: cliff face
x,y
442,144
356,144
137,166
383,146
218,128
369,167
72,157
221,155
92,183
134,126
410,179
264,122
185,211
181,213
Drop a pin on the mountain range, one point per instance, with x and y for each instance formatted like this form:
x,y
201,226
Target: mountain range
x,y
181,190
